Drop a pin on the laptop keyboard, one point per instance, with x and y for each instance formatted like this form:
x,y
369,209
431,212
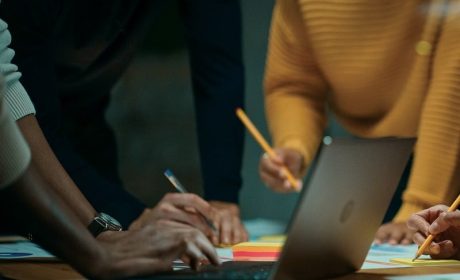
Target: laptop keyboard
x,y
229,270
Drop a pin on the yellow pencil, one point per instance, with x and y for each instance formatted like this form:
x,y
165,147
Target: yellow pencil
x,y
428,241
265,146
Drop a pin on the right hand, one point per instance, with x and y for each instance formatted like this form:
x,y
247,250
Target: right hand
x,y
152,249
184,208
270,169
444,225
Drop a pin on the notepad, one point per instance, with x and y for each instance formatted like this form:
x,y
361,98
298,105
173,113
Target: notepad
x,y
424,261
273,238
257,251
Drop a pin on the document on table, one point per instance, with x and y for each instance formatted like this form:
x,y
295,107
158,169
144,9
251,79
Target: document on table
x,y
394,256
379,255
451,276
24,250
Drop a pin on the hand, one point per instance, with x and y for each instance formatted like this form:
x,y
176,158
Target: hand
x,y
152,249
231,230
444,225
185,208
394,233
270,169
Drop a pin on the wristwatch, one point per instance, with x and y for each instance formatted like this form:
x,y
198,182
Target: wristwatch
x,y
103,222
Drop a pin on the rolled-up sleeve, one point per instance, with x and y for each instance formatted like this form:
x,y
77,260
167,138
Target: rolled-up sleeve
x,y
16,98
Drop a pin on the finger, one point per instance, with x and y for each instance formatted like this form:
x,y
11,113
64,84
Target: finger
x,y
417,222
235,229
407,240
275,159
446,250
290,188
191,200
445,221
395,236
225,232
171,212
207,249
382,235
267,165
194,254
273,183
418,238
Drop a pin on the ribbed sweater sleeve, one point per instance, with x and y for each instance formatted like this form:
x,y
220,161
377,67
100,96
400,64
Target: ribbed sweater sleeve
x,y
295,90
14,152
435,175
16,97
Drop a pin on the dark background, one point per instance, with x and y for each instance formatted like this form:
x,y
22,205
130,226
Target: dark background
x,y
153,115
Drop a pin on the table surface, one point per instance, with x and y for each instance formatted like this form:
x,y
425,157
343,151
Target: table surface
x,y
55,270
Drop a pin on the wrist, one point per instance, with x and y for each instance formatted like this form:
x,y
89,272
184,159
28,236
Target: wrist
x,y
103,222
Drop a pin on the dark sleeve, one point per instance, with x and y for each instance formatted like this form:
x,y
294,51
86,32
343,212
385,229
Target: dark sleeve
x,y
34,46
213,31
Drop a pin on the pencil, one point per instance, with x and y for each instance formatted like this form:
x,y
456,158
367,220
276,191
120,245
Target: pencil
x,y
265,146
180,188
429,239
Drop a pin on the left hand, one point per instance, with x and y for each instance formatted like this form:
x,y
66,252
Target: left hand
x,y
394,233
184,208
228,223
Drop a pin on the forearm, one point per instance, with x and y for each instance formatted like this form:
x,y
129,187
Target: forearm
x,y
47,165
295,91
435,176
36,209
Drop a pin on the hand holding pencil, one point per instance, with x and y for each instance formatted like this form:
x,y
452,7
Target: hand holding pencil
x,y
437,231
279,168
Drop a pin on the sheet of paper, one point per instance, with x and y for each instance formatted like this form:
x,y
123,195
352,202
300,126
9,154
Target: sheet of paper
x,y
450,276
424,261
24,250
379,255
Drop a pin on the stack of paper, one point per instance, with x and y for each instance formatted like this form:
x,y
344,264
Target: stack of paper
x,y
257,251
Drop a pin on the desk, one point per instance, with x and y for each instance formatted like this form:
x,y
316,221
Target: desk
x,y
47,271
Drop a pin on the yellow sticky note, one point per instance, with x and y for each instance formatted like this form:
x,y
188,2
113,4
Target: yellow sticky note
x,y
424,261
273,238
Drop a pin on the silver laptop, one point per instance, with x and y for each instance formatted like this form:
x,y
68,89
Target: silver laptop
x,y
337,214
342,207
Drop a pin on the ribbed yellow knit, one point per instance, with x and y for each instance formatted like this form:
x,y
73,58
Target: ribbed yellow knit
x,y
385,68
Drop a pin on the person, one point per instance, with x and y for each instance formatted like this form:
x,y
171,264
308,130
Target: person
x,y
72,52
384,69
36,208
444,225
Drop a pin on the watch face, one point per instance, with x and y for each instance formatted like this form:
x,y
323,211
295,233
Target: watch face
x,y
108,222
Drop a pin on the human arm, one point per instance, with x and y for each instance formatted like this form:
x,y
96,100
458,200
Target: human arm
x,y
295,94
34,208
214,38
434,176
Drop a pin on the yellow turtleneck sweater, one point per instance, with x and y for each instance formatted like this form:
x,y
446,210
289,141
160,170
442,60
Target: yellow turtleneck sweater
x,y
385,68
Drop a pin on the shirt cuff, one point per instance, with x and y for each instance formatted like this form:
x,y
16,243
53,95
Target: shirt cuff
x,y
18,101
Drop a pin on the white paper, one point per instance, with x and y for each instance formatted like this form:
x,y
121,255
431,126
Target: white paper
x,y
379,255
24,250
